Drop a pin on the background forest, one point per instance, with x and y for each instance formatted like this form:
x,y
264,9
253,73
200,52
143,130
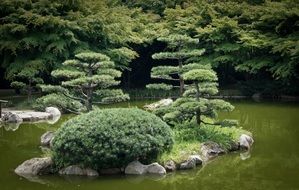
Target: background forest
x,y
253,45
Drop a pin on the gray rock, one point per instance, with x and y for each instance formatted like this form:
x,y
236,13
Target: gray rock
x,y
53,111
161,103
11,117
35,166
211,149
33,116
245,141
170,165
188,164
46,138
77,170
91,172
155,168
197,158
110,171
135,168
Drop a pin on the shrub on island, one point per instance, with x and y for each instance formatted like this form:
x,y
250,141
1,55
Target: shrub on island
x,y
63,103
110,138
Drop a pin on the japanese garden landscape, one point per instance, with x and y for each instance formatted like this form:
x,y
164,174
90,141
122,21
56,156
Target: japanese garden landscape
x,y
149,94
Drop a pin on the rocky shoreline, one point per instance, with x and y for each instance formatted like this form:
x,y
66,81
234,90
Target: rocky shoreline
x,y
209,150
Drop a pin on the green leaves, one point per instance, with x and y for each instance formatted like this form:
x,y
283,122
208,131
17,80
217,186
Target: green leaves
x,y
200,75
92,57
109,138
159,86
83,76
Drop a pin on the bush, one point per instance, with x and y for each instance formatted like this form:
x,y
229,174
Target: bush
x,y
110,138
63,103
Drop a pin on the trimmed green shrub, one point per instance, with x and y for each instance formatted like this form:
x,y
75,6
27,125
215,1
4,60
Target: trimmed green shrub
x,y
109,138
60,101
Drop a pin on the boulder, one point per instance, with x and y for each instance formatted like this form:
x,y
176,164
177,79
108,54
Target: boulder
x,y
91,172
135,168
161,103
110,171
33,116
188,164
155,168
170,165
77,170
245,141
53,111
46,138
211,149
197,158
35,166
11,117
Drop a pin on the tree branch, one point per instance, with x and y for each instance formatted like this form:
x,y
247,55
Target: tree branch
x,y
74,98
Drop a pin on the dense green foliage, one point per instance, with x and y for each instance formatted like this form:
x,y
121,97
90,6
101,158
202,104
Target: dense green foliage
x,y
66,105
256,38
111,138
195,103
180,52
26,78
89,74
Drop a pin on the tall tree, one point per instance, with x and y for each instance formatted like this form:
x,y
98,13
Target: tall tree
x,y
180,51
88,76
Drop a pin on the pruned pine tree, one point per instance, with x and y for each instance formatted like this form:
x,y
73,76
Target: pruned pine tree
x,y
180,51
26,78
196,103
87,77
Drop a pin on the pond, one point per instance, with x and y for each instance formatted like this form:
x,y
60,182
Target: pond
x,y
273,163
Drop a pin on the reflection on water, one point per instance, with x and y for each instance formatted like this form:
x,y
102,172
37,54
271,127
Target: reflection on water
x,y
273,162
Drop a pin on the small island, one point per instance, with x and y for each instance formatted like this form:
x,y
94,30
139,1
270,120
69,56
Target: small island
x,y
149,94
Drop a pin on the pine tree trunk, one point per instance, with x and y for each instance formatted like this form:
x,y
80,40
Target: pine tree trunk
x,y
89,99
181,78
89,92
198,120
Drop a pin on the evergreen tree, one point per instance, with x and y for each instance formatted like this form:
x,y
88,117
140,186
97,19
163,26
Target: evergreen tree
x,y
90,76
180,51
26,78
196,103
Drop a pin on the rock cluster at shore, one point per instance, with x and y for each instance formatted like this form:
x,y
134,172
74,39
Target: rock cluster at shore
x,y
209,150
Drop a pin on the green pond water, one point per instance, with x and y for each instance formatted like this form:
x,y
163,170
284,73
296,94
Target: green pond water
x,y
273,163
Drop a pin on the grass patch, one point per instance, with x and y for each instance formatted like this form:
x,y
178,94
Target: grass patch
x,y
181,151
189,136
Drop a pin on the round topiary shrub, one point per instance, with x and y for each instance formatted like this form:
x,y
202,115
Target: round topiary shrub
x,y
111,138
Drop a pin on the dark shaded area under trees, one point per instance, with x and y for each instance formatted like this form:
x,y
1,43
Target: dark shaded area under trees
x,y
252,45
